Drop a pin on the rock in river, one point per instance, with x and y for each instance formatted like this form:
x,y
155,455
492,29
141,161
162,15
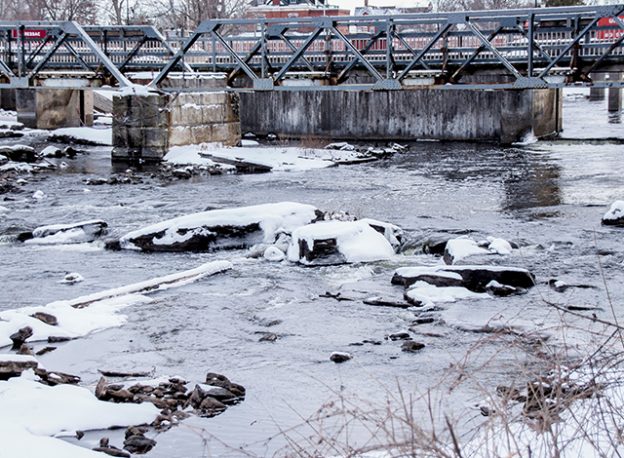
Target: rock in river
x,y
339,242
615,215
474,278
81,232
221,229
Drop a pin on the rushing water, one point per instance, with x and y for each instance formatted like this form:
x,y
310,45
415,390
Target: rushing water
x,y
547,197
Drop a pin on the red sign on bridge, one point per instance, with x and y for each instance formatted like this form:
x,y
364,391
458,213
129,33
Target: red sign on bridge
x,y
28,33
609,34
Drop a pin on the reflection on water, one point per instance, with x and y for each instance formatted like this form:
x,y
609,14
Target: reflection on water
x,y
532,181
615,118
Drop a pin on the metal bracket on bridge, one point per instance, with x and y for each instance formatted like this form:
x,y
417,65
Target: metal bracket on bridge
x,y
388,84
263,84
532,82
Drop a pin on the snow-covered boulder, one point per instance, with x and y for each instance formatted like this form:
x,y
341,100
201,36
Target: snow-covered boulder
x,y
3,159
473,278
615,215
392,233
51,151
222,229
80,232
462,247
338,242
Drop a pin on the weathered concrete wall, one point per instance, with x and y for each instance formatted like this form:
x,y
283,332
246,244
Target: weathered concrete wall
x,y
146,126
496,115
54,108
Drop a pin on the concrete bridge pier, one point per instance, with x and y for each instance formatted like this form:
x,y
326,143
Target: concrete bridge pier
x,y
614,103
52,108
504,116
596,94
146,125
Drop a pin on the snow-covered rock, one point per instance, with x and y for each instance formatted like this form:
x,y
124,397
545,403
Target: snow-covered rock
x,y
51,151
38,195
392,233
72,278
337,242
473,278
3,159
222,229
462,247
274,254
421,293
615,215
80,232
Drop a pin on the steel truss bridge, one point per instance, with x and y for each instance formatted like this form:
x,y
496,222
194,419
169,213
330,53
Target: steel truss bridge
x,y
520,48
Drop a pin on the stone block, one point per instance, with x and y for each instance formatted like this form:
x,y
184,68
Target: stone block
x,y
226,133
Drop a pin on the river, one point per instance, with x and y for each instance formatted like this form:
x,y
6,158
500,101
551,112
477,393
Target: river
x,y
548,197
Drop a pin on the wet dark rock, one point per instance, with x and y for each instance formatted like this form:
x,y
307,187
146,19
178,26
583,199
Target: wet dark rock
x,y
46,318
53,378
435,244
474,278
79,434
411,346
424,320
383,302
412,301
496,289
58,339
108,373
70,152
9,133
45,350
110,450
338,296
268,337
399,336
21,336
25,350
19,153
223,395
210,407
138,444
57,138
340,357
322,252
372,342
11,367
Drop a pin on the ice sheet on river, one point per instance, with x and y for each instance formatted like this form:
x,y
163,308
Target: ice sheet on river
x,y
218,229
86,314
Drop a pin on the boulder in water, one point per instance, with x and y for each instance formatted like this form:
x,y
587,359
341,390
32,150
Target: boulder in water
x,y
615,215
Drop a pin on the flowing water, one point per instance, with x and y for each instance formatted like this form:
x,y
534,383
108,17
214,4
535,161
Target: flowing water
x,y
547,197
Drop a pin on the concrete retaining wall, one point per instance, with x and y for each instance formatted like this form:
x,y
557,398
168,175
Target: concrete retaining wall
x,y
146,126
497,115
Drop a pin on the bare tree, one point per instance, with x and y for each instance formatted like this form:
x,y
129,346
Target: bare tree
x,y
188,14
82,11
475,5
